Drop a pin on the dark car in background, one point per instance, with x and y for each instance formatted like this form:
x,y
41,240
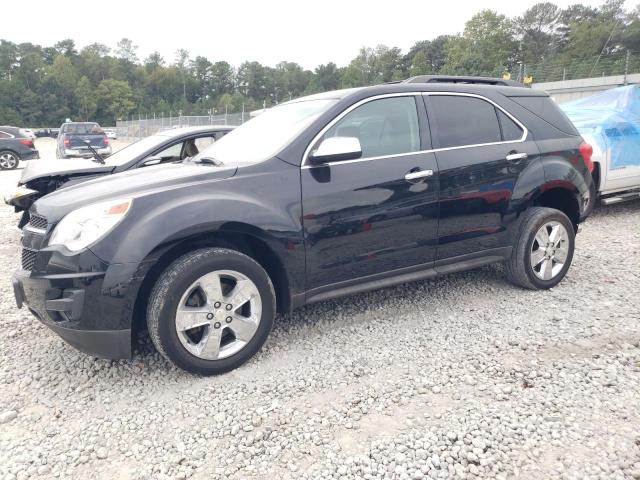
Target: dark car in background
x,y
15,145
47,132
166,146
316,198
74,139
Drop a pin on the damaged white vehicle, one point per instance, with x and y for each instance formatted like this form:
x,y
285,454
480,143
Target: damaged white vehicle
x,y
610,122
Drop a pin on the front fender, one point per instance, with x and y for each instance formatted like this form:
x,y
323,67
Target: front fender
x,y
263,204
198,214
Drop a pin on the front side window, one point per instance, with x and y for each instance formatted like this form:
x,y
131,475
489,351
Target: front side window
x,y
388,126
464,121
170,153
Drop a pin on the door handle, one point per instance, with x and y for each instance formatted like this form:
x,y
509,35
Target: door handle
x,y
419,174
516,156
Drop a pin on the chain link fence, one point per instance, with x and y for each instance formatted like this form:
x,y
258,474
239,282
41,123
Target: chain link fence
x,y
143,127
598,66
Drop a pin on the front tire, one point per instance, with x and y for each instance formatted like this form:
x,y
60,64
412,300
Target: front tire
x,y
211,310
543,249
8,160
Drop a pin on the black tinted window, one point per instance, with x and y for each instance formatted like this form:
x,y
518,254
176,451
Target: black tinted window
x,y
464,121
384,127
510,129
4,135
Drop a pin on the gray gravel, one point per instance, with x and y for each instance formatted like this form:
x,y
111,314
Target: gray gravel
x,y
462,377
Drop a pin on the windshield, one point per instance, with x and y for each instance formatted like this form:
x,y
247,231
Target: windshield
x,y
265,135
130,152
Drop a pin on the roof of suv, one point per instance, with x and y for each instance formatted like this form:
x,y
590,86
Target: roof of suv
x,y
507,91
461,79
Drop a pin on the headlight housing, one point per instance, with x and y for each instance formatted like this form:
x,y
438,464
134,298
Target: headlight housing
x,y
86,225
18,194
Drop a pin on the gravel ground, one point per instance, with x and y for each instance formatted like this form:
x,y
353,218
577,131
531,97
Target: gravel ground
x,y
462,377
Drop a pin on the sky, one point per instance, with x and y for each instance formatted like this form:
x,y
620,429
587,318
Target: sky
x,y
309,33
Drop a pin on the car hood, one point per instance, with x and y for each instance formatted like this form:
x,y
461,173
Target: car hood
x,y
52,168
130,184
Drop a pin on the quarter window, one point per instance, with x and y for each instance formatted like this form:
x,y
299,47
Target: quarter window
x,y
4,135
388,126
464,121
510,129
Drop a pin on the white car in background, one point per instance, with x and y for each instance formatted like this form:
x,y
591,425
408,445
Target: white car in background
x,y
27,132
111,133
614,185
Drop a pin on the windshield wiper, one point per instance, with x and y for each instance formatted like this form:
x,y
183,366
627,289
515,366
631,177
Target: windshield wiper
x,y
96,156
209,161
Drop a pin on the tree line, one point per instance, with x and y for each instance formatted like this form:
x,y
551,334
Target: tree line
x,y
42,86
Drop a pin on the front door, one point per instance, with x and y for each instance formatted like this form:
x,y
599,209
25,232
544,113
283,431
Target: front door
x,y
371,216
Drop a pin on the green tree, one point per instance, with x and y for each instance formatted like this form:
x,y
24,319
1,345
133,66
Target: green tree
x,y
486,47
115,98
540,37
64,74
126,50
420,65
86,99
8,59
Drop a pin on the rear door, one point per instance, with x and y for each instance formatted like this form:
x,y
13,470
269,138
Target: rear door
x,y
364,217
481,151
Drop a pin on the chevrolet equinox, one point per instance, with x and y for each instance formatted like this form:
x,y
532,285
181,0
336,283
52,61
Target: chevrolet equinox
x,y
316,198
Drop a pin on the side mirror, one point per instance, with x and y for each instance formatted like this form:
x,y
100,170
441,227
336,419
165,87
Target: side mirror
x,y
151,161
334,149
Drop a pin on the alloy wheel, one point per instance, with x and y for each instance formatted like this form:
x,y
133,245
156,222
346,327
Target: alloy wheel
x,y
8,160
218,314
549,250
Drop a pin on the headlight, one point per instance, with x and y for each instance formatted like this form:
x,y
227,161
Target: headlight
x,y
19,192
86,225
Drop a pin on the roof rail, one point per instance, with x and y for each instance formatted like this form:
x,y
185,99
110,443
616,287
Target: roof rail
x,y
462,79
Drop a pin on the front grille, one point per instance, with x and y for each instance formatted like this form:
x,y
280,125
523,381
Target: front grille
x,y
36,221
28,258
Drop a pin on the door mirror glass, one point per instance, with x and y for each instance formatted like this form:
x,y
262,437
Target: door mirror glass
x,y
335,149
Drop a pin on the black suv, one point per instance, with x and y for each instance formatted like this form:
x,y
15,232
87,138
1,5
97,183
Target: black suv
x,y
320,197
15,145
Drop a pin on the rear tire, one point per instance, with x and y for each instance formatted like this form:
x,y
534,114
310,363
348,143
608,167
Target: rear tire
x,y
211,310
8,160
541,260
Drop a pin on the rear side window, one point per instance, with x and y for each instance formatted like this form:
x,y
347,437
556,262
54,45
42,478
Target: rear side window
x,y
4,135
547,110
464,121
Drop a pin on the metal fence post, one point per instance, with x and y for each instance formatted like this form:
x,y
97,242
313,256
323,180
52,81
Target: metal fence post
x,y
626,67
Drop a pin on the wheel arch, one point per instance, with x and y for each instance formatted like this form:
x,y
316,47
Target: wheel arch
x,y
244,238
559,197
11,150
